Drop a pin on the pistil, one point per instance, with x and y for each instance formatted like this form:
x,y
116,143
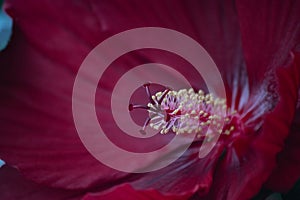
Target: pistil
x,y
186,111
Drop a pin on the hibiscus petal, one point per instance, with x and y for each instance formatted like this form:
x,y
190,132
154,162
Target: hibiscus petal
x,y
250,159
287,171
268,41
186,176
36,121
126,192
14,186
50,43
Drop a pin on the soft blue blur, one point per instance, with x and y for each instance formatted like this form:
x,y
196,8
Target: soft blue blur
x,y
1,163
5,29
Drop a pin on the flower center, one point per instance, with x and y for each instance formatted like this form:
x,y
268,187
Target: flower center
x,y
186,111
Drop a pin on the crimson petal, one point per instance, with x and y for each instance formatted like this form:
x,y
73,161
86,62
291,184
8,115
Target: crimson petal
x,y
36,120
185,176
68,39
250,159
14,186
287,172
50,42
267,42
126,192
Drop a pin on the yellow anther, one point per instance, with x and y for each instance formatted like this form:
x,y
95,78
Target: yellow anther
x,y
158,94
227,132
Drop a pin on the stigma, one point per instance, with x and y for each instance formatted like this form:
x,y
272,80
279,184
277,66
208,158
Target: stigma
x,y
186,111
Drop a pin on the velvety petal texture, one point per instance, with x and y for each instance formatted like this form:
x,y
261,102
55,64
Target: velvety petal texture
x,y
14,186
287,171
51,46
186,176
260,72
44,144
126,192
260,147
267,42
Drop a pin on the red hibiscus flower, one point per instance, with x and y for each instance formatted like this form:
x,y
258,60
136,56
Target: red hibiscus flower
x,y
254,45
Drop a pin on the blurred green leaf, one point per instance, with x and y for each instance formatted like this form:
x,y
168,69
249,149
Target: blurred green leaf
x,y
274,196
293,194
